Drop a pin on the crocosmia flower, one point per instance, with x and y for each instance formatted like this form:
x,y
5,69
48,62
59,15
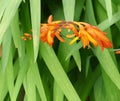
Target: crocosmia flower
x,y
88,33
81,31
51,30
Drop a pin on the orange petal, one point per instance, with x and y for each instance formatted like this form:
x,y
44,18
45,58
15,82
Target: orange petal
x,y
92,40
75,39
117,52
50,38
85,41
27,36
70,35
59,37
50,18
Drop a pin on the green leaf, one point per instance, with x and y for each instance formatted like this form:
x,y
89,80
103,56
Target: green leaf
x,y
16,68
38,82
16,34
116,1
58,73
9,13
57,93
79,4
99,90
35,71
3,84
106,23
31,89
103,92
108,65
35,17
90,12
73,49
84,86
108,4
68,7
104,57
87,65
21,76
10,74
3,5
6,45
111,94
77,58
63,50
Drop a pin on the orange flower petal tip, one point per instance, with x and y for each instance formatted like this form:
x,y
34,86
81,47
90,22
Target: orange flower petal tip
x,y
50,18
70,35
26,37
117,52
23,38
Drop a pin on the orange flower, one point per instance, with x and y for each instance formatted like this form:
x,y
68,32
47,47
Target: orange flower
x,y
50,30
117,51
27,36
88,33
99,36
81,31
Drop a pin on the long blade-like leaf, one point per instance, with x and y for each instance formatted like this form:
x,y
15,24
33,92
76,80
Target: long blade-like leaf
x,y
35,17
57,71
108,4
6,48
68,7
8,16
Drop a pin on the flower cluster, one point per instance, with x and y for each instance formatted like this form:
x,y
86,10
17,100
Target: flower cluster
x,y
51,30
81,31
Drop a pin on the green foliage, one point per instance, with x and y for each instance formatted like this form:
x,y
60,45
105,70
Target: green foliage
x,y
33,71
